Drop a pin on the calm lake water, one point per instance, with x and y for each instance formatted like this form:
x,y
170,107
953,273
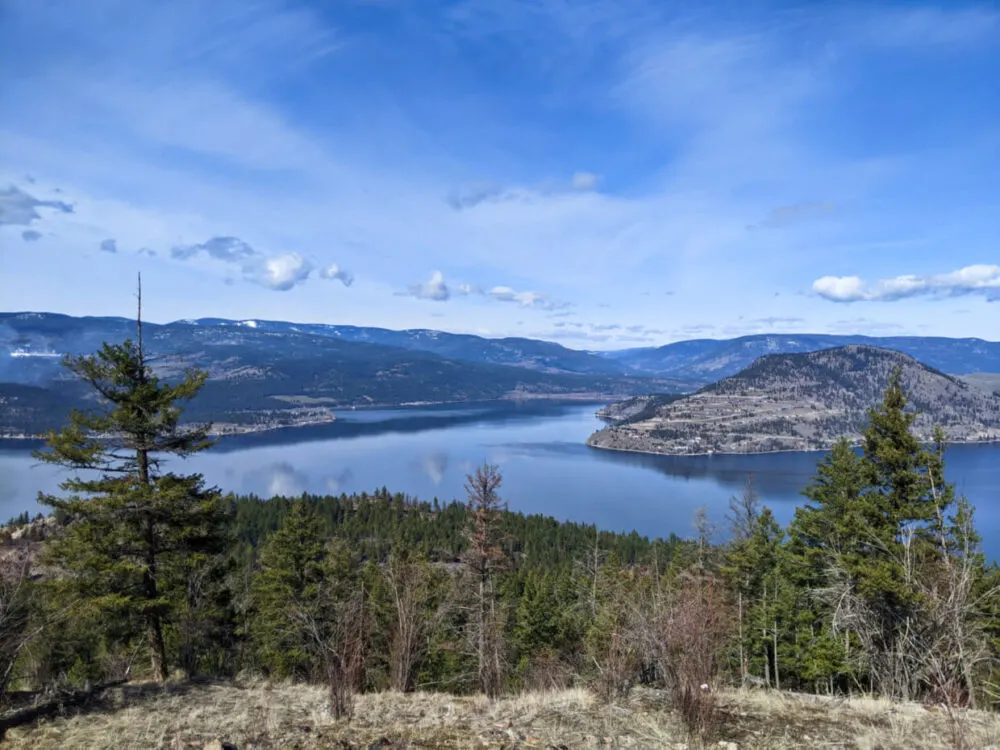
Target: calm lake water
x,y
540,447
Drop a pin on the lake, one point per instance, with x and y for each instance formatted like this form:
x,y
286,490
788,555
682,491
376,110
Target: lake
x,y
547,468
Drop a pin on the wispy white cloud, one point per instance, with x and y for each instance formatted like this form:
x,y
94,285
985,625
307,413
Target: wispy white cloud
x,y
777,320
690,126
280,272
472,195
978,279
536,300
333,271
438,290
794,213
865,326
435,288
226,249
476,193
924,28
585,180
18,208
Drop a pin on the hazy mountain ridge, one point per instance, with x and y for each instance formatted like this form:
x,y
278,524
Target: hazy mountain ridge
x,y
544,356
804,402
261,370
710,359
692,363
263,378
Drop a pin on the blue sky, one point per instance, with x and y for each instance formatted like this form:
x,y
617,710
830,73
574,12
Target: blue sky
x,y
603,173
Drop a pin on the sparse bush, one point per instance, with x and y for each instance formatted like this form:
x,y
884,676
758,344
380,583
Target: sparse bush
x,y
546,671
697,628
617,668
14,616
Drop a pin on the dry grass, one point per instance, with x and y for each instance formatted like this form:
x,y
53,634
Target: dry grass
x,y
266,716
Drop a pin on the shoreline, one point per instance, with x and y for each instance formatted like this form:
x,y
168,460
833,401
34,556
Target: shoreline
x,y
854,444
232,429
228,429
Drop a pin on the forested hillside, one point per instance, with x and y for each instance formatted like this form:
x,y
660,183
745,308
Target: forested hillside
x,y
796,402
878,585
259,378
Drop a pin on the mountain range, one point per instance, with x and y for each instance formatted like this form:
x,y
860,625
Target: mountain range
x,y
693,363
268,373
708,360
260,378
796,402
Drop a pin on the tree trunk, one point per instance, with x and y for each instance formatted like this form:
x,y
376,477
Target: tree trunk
x,y
158,651
482,634
777,679
743,661
154,628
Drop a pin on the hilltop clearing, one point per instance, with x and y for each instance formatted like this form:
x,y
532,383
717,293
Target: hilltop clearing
x,y
270,716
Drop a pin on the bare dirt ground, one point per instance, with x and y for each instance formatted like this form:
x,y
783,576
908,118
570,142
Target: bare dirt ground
x,y
267,716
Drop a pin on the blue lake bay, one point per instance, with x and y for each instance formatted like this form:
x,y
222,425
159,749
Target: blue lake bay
x,y
426,452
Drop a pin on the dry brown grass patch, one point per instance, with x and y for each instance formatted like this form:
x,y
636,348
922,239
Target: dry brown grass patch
x,y
270,716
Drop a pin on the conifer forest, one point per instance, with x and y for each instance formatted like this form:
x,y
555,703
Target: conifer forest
x,y
878,586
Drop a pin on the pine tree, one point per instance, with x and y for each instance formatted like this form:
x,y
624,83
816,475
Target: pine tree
x,y
827,544
897,507
128,524
875,533
288,586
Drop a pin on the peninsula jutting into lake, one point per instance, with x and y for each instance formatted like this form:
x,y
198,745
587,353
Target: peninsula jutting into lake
x,y
800,402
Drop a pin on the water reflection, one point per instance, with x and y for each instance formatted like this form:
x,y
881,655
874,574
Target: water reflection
x,y
782,475
281,478
547,467
435,465
371,422
337,483
778,474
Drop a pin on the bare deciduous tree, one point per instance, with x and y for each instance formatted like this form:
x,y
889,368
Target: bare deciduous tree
x,y
14,614
589,567
484,558
339,634
744,511
409,588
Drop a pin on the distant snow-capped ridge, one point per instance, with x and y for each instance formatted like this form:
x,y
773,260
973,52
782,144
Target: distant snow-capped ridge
x,y
26,353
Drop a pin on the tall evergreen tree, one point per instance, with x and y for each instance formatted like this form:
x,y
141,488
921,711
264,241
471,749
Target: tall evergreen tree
x,y
287,586
898,505
874,528
130,523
